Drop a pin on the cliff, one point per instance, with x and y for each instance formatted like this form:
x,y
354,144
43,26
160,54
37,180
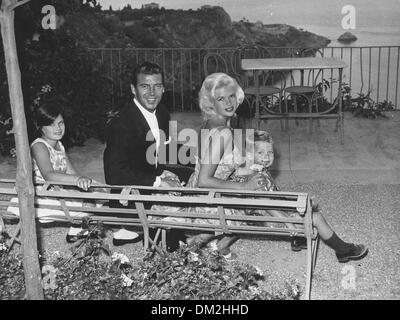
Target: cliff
x,y
203,28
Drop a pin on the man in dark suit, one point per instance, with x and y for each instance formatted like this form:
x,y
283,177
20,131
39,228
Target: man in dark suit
x,y
134,138
126,157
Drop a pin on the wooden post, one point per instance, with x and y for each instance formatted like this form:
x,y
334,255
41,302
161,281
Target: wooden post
x,y
24,185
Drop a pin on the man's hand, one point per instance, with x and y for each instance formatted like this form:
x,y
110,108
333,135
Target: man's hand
x,y
169,183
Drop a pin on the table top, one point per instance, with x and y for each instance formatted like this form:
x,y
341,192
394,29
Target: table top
x,y
292,63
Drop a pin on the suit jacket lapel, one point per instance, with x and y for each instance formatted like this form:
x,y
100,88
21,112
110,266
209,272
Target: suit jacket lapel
x,y
141,121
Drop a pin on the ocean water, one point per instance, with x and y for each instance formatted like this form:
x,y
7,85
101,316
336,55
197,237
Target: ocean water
x,y
373,59
367,36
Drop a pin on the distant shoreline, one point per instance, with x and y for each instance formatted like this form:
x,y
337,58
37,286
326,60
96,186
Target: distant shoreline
x,y
383,36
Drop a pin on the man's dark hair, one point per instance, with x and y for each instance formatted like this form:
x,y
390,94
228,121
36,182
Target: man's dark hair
x,y
146,68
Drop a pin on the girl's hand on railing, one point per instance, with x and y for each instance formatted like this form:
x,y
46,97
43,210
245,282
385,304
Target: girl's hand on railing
x,y
84,182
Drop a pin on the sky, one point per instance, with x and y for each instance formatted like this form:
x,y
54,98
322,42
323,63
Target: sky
x,y
369,13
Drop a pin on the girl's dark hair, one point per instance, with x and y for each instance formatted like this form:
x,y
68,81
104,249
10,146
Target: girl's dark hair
x,y
44,116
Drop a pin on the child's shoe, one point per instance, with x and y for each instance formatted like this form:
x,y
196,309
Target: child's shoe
x,y
75,234
357,252
298,243
123,236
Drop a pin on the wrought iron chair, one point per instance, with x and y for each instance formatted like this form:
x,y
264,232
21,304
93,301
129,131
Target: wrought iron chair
x,y
309,91
267,89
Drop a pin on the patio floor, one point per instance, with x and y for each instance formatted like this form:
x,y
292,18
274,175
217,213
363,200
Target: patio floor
x,y
370,152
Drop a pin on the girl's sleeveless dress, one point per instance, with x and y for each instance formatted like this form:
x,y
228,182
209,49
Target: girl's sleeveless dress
x,y
58,160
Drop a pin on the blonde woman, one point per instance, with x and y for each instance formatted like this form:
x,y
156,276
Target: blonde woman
x,y
219,155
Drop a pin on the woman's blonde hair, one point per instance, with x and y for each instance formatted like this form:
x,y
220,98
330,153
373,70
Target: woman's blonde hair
x,y
207,92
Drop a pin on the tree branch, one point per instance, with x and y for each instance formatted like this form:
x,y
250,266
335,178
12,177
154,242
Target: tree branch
x,y
16,5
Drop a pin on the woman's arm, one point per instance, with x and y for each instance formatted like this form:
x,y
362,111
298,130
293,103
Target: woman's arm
x,y
218,145
42,158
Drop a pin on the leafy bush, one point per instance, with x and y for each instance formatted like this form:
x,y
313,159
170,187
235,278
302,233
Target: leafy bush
x,y
7,143
364,106
12,282
193,273
77,84
361,106
187,273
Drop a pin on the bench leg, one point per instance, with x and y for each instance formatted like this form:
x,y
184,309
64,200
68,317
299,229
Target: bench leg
x,y
309,267
146,237
164,239
161,250
315,250
154,241
312,248
14,236
2,225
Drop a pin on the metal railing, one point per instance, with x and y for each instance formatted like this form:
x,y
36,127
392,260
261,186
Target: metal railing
x,y
374,69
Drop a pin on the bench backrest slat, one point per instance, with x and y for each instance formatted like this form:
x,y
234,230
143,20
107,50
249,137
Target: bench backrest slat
x,y
221,200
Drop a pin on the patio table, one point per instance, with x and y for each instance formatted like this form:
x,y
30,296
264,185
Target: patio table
x,y
303,63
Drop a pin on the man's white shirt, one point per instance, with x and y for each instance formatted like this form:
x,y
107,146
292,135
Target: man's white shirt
x,y
152,122
155,130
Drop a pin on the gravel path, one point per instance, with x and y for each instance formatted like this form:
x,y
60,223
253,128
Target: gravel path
x,y
364,214
360,213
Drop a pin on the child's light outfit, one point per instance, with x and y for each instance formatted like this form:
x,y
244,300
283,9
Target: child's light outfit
x,y
58,160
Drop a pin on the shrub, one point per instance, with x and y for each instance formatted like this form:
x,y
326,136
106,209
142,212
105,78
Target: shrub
x,y
187,273
360,106
77,83
12,282
7,143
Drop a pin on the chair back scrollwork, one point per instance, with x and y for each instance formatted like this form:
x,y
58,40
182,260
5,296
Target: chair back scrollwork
x,y
214,62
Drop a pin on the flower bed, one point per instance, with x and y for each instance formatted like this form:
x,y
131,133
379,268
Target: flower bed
x,y
92,272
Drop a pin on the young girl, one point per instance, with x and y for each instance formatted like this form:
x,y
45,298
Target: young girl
x,y
50,161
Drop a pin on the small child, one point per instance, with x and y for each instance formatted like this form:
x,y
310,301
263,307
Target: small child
x,y
259,157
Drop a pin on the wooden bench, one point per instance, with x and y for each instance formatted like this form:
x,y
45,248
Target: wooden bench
x,y
141,197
